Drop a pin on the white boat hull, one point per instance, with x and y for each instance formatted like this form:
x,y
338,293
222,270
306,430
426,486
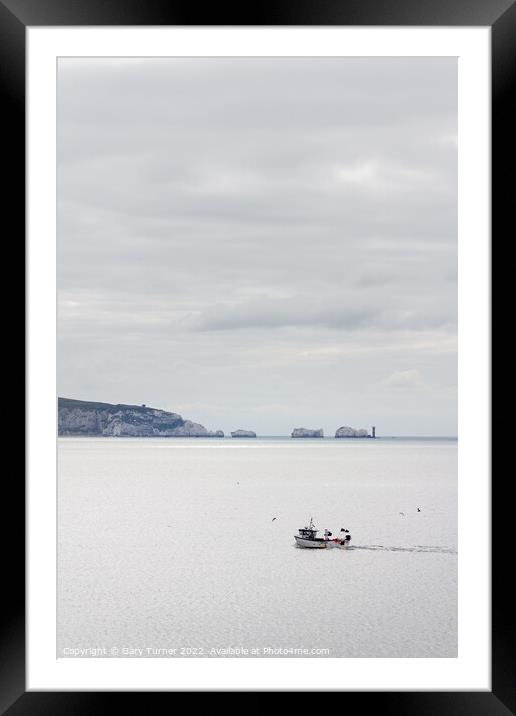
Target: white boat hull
x,y
319,543
310,543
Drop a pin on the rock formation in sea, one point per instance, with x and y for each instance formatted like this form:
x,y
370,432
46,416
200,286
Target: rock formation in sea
x,y
243,434
347,432
307,433
83,417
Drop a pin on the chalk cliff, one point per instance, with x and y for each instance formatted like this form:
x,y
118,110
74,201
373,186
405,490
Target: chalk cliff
x,y
307,433
347,432
83,417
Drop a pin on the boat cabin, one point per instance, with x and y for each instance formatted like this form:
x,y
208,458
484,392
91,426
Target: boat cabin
x,y
307,533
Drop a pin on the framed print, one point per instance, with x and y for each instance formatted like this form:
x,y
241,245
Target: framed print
x,y
258,364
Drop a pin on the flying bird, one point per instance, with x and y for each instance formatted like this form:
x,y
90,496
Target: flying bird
x,y
274,518
418,509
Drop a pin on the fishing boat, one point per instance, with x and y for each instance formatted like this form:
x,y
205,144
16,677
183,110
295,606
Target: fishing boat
x,y
307,538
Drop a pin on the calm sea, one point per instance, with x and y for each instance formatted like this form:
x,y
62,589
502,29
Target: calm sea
x,y
168,547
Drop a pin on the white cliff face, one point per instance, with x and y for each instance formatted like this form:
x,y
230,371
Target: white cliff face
x,y
347,432
119,428
77,417
195,430
307,433
75,421
243,434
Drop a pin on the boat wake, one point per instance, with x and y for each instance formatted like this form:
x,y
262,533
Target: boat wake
x,y
416,548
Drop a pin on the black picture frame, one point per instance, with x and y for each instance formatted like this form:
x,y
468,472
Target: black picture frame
x,y
500,15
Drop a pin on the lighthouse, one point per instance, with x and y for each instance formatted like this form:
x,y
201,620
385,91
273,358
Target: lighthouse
x,y
374,432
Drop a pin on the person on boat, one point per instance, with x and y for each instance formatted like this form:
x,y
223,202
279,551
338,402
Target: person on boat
x,y
327,534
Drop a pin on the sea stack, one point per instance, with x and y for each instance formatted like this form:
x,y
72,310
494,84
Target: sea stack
x,y
307,433
243,434
347,432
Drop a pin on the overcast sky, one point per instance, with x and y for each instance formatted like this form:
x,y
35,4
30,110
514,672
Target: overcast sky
x,y
261,243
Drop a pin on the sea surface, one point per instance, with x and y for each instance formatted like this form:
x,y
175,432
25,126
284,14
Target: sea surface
x,y
168,547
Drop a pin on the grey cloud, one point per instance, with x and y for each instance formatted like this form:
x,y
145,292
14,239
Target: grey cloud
x,y
409,379
311,311
277,315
